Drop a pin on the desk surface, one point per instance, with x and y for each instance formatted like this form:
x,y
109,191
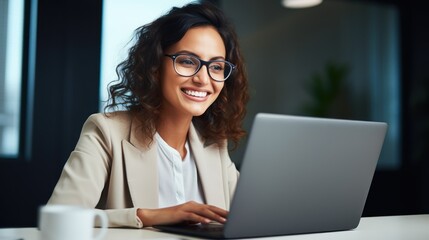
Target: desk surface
x,y
410,227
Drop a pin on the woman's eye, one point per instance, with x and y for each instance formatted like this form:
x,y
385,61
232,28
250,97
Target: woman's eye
x,y
187,61
216,67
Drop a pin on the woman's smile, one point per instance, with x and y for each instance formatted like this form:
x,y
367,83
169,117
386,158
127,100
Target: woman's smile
x,y
194,93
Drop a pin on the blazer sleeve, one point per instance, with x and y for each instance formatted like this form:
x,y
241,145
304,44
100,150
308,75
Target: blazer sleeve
x,y
87,170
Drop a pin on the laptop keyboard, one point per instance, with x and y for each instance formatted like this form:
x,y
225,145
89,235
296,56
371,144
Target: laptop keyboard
x,y
206,227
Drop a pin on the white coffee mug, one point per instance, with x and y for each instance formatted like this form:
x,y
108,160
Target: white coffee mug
x,y
64,222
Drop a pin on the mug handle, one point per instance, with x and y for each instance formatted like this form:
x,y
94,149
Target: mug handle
x,y
103,223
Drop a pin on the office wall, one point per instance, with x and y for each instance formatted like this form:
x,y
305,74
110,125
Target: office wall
x,y
415,52
285,48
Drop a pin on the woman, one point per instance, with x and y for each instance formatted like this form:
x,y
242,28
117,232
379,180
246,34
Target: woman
x,y
165,160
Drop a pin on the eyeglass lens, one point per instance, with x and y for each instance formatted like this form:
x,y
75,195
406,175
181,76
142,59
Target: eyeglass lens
x,y
187,65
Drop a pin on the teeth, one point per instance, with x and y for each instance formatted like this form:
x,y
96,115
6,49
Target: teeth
x,y
196,93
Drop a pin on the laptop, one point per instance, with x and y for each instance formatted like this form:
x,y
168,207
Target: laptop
x,y
299,175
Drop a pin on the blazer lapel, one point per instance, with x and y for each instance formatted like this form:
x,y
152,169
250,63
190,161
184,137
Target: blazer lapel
x,y
141,171
209,167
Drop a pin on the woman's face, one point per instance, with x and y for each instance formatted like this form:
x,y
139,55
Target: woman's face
x,y
191,96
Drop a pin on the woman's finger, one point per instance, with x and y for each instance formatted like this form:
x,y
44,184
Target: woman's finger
x,y
208,212
193,217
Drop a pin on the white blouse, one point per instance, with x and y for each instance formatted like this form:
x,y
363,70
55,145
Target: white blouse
x,y
178,178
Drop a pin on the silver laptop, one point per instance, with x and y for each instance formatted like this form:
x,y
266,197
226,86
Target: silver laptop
x,y
299,175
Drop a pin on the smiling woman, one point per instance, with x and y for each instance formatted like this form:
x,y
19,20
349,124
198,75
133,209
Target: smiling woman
x,y
165,159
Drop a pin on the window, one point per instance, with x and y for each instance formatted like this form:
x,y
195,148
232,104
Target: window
x,y
11,38
120,19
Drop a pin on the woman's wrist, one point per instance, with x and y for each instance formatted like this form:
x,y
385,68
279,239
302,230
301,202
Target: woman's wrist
x,y
144,216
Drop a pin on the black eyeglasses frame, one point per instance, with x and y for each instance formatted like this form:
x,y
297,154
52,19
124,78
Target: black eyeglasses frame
x,y
202,63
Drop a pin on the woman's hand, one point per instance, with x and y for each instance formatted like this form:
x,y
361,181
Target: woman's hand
x,y
188,212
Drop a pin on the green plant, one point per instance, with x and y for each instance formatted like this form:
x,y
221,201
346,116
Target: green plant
x,y
325,89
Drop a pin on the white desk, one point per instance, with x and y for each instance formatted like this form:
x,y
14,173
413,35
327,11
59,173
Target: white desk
x,y
412,227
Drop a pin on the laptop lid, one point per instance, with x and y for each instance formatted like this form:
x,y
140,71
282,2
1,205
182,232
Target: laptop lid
x,y
304,175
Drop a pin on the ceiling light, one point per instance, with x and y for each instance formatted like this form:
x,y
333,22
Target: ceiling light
x,y
300,3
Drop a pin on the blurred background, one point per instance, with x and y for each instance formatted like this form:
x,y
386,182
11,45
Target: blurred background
x,y
350,59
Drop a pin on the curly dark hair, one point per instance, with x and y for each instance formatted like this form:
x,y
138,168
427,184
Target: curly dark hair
x,y
139,88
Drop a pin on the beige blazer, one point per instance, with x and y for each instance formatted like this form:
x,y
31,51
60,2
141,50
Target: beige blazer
x,y
111,170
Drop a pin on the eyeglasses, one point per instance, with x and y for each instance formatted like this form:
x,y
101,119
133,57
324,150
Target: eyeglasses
x,y
187,65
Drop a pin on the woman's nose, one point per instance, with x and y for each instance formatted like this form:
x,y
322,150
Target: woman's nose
x,y
202,77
